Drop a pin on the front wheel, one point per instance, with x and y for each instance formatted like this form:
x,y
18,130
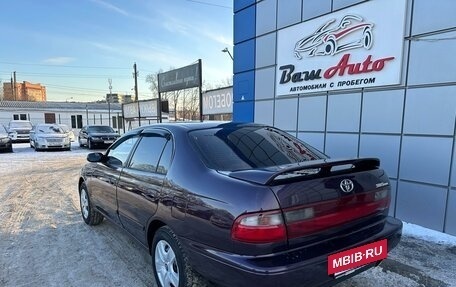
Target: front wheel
x,y
89,214
169,262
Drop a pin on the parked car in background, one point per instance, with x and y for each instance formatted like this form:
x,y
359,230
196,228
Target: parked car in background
x,y
68,131
5,140
19,130
94,136
241,204
49,136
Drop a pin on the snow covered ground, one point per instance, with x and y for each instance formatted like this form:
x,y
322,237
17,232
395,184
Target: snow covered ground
x,y
44,242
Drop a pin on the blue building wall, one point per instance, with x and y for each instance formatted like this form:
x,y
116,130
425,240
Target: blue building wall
x,y
410,127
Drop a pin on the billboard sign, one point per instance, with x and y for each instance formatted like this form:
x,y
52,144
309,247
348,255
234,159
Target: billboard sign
x,y
148,109
360,46
218,101
130,110
179,79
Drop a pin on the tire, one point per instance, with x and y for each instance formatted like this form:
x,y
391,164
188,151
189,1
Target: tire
x,y
10,149
89,214
169,261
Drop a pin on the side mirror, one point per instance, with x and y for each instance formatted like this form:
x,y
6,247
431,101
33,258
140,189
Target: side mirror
x,y
95,157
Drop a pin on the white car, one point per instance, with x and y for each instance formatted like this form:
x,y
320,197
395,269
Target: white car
x,y
68,131
19,130
49,136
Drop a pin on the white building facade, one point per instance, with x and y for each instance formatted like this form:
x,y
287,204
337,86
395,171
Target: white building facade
x,y
74,115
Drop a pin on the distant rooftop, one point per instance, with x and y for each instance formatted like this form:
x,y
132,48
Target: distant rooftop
x,y
57,105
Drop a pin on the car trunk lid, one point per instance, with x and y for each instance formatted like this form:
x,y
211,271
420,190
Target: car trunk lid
x,y
321,195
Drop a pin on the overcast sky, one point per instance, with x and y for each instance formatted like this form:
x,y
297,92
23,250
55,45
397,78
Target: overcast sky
x,y
73,46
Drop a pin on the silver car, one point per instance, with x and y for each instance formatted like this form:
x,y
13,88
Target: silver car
x,y
49,136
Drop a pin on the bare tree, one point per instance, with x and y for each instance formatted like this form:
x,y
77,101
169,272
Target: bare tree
x,y
184,103
227,82
152,80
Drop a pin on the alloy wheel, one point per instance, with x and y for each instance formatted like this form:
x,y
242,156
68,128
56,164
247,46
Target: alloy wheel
x,y
166,264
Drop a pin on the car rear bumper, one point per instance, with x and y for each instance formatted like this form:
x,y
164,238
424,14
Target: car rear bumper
x,y
294,268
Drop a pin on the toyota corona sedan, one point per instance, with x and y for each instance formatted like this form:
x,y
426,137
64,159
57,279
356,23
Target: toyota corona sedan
x,y
241,204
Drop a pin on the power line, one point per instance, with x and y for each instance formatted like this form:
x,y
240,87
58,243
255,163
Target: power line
x,y
72,88
84,76
209,4
71,75
64,66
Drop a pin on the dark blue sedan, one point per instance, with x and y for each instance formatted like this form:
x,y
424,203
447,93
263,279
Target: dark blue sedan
x,y
241,204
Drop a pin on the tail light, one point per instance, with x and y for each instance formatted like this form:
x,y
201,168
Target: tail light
x,y
269,227
305,220
263,227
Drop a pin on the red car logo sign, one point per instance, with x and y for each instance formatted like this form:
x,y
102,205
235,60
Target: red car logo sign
x,y
351,32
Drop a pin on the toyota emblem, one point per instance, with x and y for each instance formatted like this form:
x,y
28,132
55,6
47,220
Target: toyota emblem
x,y
346,185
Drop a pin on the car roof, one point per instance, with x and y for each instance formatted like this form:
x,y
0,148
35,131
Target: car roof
x,y
184,127
90,126
191,126
47,124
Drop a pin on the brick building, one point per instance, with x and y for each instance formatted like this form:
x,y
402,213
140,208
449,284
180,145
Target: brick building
x,y
25,91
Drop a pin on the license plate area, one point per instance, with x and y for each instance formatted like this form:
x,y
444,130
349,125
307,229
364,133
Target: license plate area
x,y
347,262
108,142
346,272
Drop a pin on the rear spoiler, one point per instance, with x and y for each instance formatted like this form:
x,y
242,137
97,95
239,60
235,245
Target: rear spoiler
x,y
312,169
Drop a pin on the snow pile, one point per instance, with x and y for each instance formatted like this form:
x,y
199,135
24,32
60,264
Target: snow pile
x,y
420,232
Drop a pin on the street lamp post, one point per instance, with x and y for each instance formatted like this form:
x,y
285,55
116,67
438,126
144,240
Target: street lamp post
x,y
228,51
109,101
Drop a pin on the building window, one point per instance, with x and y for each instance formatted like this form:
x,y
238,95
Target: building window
x,y
120,122
20,117
79,121
49,118
76,122
114,122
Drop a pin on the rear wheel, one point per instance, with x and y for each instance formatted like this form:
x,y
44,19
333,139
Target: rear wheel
x,y
169,261
89,214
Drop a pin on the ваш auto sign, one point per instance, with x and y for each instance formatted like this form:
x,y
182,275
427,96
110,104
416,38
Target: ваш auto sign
x,y
355,47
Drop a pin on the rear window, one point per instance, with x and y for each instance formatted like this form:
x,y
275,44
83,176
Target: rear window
x,y
250,147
